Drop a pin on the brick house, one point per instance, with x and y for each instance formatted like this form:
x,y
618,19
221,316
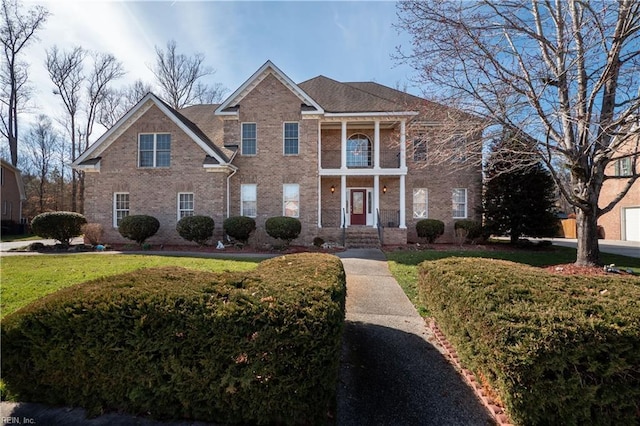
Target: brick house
x,y
335,155
13,195
623,221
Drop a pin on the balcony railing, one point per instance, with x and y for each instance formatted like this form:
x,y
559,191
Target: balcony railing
x,y
389,159
331,218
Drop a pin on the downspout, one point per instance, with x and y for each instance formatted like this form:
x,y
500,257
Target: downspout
x,y
234,171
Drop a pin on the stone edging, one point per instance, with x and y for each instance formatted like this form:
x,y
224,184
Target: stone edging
x,y
495,409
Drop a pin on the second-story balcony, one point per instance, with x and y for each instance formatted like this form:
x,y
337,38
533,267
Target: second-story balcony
x,y
332,159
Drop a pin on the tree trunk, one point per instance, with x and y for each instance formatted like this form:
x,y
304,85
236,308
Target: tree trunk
x,y
588,250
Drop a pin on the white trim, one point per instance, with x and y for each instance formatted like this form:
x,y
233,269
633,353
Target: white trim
x,y
242,199
155,150
114,212
255,79
371,114
140,108
193,210
466,204
242,139
284,123
284,201
426,206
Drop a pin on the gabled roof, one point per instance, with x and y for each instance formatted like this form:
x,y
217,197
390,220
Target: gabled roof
x,y
230,105
193,131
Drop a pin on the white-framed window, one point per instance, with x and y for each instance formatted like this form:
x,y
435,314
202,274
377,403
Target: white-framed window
x,y
249,200
459,144
185,204
290,138
120,207
420,148
154,150
291,200
420,203
5,207
623,167
358,151
249,139
459,200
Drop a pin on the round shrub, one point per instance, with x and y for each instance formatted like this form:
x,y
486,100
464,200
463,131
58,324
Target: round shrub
x,y
318,242
430,229
138,227
283,228
198,229
473,228
61,226
239,227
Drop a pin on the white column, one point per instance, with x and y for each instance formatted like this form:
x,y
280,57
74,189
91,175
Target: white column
x,y
343,154
403,145
319,201
403,224
376,199
343,198
376,145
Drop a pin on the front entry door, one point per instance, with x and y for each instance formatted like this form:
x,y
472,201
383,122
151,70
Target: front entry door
x,y
358,206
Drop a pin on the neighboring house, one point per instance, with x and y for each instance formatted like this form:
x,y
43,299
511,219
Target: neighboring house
x,y
623,221
12,196
335,155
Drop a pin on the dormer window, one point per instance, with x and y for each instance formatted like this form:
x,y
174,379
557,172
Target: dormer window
x,y
154,150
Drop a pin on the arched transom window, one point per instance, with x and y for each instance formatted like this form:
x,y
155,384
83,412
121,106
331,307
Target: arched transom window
x,y
358,151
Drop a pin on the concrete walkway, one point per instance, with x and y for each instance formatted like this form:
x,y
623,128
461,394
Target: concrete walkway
x,y
392,371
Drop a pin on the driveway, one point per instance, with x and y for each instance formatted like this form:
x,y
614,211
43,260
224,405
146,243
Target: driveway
x,y
624,248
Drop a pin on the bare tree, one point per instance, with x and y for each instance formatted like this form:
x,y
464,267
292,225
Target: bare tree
x,y
66,73
117,102
17,30
42,142
564,72
179,77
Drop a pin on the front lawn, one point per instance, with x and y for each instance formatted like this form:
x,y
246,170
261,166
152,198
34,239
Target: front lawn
x,y
27,278
404,264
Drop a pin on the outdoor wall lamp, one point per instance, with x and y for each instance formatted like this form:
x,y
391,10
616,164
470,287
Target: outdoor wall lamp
x,y
333,189
384,189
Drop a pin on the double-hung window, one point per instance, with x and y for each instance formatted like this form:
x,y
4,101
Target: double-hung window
x,y
120,207
154,150
185,204
290,138
459,144
459,200
291,199
249,200
420,203
249,139
420,148
623,167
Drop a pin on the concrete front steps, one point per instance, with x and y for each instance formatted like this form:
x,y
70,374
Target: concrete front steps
x,y
361,237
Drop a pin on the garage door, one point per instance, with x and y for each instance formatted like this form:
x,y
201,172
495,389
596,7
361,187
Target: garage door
x,y
632,223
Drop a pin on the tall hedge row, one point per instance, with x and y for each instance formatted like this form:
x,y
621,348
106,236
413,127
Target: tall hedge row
x,y
558,349
258,348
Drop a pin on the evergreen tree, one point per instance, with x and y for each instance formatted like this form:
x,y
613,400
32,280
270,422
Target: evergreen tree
x,y
519,198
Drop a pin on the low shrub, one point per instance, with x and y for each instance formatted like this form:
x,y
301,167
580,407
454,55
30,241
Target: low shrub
x,y
430,229
261,347
467,229
557,349
239,227
138,227
318,242
61,226
93,233
198,229
283,228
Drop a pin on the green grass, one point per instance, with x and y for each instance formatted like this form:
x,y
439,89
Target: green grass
x,y
12,238
404,264
28,278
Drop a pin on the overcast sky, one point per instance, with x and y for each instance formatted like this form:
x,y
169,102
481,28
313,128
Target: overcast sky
x,y
346,41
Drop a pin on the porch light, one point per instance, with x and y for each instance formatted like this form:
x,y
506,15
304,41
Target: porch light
x,y
333,189
384,189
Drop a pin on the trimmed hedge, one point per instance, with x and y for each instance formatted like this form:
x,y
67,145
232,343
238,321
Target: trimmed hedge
x,y
138,227
256,348
198,229
61,226
472,228
557,349
430,229
239,227
283,228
